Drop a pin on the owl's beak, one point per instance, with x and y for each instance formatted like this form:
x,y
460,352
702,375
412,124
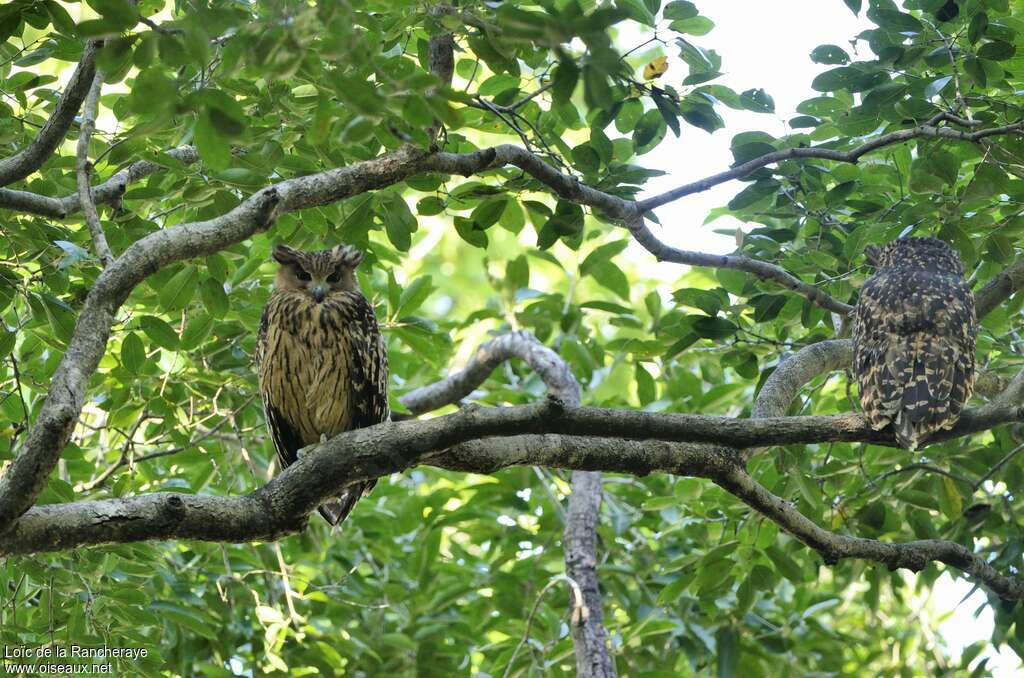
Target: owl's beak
x,y
319,293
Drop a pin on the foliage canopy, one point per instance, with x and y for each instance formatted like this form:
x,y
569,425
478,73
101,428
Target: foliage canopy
x,y
437,571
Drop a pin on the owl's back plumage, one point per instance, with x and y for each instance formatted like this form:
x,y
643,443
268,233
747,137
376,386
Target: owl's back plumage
x,y
321,359
914,334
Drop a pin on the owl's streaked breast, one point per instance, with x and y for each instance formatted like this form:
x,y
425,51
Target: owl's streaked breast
x,y
306,366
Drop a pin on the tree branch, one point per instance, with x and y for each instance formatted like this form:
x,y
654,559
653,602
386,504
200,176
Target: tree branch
x,y
914,555
24,478
29,159
108,191
590,639
281,507
776,395
83,169
761,269
929,129
782,386
998,289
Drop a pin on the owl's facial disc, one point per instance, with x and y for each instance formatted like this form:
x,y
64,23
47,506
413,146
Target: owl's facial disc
x,y
321,282
318,274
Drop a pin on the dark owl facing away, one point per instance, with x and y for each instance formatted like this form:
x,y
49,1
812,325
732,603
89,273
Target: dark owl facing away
x,y
913,334
323,365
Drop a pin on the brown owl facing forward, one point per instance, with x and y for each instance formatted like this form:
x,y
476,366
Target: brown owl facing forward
x,y
322,362
913,335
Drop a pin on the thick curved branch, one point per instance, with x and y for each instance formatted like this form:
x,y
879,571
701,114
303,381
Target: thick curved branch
x,y
280,508
462,442
782,386
548,365
29,159
83,168
472,423
774,400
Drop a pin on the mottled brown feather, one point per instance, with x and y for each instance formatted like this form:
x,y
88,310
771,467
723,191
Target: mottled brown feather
x,y
322,364
914,335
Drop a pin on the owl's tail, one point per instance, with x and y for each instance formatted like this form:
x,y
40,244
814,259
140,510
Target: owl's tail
x,y
906,433
336,510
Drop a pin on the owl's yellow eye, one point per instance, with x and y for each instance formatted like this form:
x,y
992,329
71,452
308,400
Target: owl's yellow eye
x,y
303,276
334,277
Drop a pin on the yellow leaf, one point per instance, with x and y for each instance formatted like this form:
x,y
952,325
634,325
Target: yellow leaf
x,y
656,68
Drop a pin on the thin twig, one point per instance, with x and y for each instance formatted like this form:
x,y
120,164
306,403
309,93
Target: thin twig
x,y
580,613
84,170
999,464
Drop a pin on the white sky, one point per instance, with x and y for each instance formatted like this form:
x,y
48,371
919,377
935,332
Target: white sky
x,y
767,45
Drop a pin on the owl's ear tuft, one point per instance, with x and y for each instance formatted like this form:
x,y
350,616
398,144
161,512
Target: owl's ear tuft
x,y
285,255
346,255
873,254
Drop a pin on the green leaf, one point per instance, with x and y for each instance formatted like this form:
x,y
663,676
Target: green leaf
x,y
413,296
951,501
60,317
585,159
596,91
517,273
602,254
936,86
471,232
829,54
714,328
159,332
628,116
196,330
637,11
7,341
213,147
997,50
648,129
399,222
611,277
214,298
133,353
705,300
563,81
894,20
854,5
115,59
679,10
180,289
978,26
487,213
645,389
757,100
856,78
698,25
785,565
727,642
753,194
430,206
